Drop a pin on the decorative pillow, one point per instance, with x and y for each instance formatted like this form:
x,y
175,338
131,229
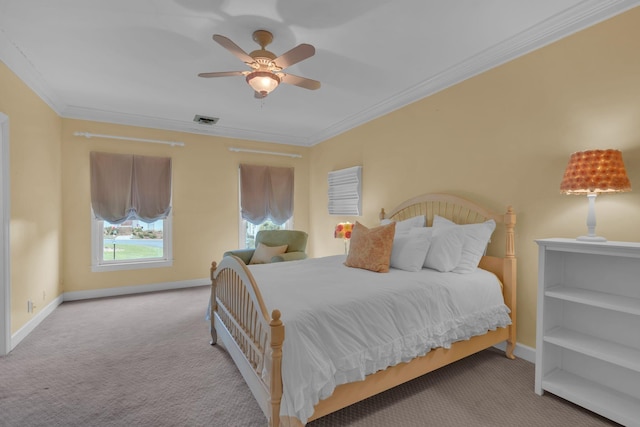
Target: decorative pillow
x,y
264,253
407,224
410,248
476,239
445,251
370,249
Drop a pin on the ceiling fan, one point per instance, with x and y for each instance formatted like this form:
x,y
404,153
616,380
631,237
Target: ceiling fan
x,y
266,69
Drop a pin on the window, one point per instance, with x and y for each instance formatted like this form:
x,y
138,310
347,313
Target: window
x,y
131,211
132,244
266,201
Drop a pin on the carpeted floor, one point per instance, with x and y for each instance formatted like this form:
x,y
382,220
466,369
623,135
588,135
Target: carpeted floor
x,y
144,360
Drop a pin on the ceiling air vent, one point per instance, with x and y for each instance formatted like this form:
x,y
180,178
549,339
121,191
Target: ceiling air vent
x,y
204,120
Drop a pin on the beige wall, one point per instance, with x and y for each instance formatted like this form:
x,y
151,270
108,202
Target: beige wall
x,y
504,138
205,199
36,208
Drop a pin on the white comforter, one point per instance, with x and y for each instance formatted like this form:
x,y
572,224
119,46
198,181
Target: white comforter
x,y
344,323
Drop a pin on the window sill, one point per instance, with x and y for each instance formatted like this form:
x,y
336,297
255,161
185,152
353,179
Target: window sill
x,y
137,265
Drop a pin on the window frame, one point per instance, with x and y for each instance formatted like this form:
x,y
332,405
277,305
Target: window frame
x,y
98,264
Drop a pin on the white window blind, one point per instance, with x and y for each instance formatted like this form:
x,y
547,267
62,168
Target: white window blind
x,y
345,191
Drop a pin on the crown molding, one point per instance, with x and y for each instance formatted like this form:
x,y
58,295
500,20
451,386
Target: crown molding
x,y
17,62
97,115
572,20
581,16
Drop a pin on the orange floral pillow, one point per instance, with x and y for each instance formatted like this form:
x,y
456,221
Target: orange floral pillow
x,y
370,249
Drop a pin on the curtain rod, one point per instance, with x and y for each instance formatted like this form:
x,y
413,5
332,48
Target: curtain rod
x,y
129,138
274,153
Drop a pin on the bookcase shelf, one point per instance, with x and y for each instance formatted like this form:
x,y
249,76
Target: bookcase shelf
x,y
607,351
596,299
588,326
605,401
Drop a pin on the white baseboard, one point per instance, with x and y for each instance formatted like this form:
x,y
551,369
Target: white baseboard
x,y
35,321
129,290
99,293
521,351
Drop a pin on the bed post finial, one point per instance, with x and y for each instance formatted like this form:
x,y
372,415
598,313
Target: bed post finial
x,y
382,214
212,270
277,338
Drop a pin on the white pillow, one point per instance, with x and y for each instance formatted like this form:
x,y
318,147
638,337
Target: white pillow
x,y
407,224
445,251
410,248
476,239
264,253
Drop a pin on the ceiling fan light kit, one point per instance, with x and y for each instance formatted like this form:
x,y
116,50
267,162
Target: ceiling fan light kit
x,y
266,72
263,82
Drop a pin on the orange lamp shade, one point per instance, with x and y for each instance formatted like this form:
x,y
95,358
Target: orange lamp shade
x,y
595,171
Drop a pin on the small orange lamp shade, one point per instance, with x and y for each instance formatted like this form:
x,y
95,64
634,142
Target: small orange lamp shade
x,y
343,230
590,173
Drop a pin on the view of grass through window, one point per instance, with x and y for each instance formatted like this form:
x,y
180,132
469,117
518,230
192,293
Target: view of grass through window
x,y
132,240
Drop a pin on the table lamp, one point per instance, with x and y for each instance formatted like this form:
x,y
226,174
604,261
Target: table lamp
x,y
590,173
343,231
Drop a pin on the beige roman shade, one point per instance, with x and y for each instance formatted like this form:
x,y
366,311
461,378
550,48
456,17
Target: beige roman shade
x,y
125,186
266,192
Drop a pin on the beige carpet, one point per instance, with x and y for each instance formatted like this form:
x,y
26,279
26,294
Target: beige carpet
x,y
144,360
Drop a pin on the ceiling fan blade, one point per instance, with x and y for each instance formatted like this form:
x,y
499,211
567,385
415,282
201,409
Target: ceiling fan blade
x,y
295,55
233,48
300,81
222,74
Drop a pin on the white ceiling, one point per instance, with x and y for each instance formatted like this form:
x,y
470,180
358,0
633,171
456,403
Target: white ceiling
x,y
136,62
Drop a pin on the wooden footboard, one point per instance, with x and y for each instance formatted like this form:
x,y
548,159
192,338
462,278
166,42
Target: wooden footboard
x,y
240,319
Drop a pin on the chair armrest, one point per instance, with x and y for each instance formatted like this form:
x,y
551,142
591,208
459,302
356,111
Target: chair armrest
x,y
244,254
289,256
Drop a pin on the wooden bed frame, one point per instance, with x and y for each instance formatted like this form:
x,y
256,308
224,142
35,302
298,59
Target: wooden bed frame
x,y
241,322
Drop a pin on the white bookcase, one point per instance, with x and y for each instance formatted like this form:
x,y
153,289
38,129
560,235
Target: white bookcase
x,y
588,330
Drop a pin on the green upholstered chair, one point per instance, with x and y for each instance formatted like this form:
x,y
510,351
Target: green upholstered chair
x,y
295,240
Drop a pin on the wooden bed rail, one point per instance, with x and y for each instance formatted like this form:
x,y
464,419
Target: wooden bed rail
x,y
237,303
